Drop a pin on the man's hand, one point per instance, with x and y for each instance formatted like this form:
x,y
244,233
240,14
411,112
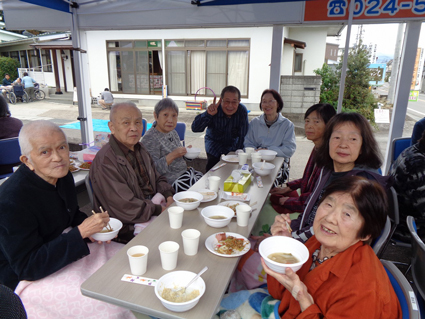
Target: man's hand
x,y
282,200
279,227
93,224
212,108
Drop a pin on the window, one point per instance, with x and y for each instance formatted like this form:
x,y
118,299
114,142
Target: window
x,y
298,62
34,57
24,59
46,60
194,64
135,67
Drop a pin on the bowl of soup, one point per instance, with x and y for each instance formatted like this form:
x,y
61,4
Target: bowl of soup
x,y
179,301
217,216
281,252
192,152
106,233
188,200
267,155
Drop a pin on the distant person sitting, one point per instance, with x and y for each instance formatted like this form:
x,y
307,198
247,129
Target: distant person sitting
x,y
17,82
29,85
9,127
418,129
123,175
227,124
6,81
409,182
106,99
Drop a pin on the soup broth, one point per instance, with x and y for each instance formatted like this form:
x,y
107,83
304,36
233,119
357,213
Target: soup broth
x,y
188,200
217,217
283,258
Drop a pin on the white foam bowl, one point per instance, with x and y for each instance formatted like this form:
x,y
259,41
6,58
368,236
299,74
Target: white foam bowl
x,y
192,152
283,244
116,226
219,210
267,155
179,279
188,194
267,168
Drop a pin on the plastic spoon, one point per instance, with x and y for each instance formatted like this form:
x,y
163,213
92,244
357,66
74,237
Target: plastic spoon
x,y
192,281
262,166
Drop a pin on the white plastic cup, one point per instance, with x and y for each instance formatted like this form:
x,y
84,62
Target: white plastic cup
x,y
169,251
138,258
243,158
249,151
191,241
255,157
214,182
175,214
243,213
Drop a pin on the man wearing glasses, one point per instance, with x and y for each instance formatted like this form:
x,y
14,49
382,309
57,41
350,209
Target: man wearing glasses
x,y
227,122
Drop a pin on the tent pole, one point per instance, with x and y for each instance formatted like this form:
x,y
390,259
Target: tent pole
x,y
344,61
84,105
404,80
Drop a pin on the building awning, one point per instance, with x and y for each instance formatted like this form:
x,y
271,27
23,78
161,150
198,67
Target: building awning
x,y
295,43
52,45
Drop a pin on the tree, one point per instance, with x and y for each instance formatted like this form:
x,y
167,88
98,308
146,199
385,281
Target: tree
x,y
330,85
357,96
9,65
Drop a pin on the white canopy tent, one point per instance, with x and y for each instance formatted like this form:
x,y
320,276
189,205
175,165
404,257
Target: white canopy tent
x,y
168,14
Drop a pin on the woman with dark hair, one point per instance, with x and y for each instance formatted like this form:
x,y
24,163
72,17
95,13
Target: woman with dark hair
x,y
409,182
348,148
271,130
285,199
342,276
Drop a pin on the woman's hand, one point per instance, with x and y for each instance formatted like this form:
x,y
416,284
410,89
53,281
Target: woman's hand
x,y
282,200
93,224
177,153
293,284
280,190
212,108
279,227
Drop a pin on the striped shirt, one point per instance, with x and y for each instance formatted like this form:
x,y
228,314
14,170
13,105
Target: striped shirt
x,y
224,134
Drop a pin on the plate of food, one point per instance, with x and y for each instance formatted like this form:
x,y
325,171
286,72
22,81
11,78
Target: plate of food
x,y
232,204
228,244
85,166
208,194
73,168
230,158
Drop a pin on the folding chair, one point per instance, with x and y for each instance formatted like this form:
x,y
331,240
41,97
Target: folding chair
x,y
380,243
417,261
9,153
403,290
181,130
398,145
145,124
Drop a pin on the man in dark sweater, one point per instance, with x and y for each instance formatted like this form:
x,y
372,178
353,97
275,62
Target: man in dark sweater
x,y
37,203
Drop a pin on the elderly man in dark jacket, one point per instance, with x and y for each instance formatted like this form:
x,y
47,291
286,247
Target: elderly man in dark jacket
x,y
123,175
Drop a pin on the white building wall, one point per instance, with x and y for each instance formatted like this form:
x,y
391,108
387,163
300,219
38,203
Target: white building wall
x,y
260,55
313,54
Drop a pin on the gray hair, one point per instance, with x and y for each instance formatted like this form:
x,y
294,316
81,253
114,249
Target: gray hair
x,y
32,129
164,104
117,106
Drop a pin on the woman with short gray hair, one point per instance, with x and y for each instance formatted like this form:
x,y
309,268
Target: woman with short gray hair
x,y
164,146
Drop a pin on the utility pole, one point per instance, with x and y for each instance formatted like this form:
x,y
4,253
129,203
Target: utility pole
x,y
396,63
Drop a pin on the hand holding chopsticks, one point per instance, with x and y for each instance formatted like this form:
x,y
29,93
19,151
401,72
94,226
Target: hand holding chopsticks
x,y
281,226
108,227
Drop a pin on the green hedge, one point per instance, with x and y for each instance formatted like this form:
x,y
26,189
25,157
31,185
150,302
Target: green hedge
x,y
9,65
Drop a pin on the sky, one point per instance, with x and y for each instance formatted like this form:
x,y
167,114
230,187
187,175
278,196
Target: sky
x,y
384,35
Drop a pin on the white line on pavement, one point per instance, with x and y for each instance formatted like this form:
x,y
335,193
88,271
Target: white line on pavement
x,y
415,111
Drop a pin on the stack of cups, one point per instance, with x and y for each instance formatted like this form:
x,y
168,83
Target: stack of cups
x,y
256,157
249,151
243,158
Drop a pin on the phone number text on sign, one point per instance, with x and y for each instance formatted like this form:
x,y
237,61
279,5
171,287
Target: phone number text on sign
x,y
322,10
